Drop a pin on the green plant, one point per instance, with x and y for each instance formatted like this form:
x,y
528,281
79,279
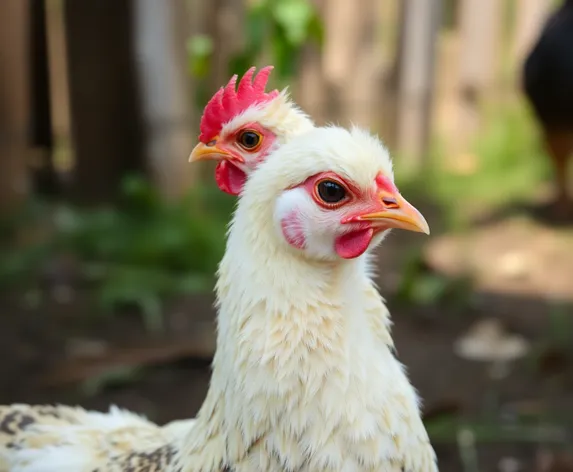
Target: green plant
x,y
278,29
419,285
136,253
281,28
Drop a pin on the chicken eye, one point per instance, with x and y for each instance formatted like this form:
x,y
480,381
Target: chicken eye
x,y
249,140
330,192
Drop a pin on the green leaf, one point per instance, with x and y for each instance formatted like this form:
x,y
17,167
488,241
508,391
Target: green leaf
x,y
285,57
199,50
257,22
193,283
294,16
316,29
18,265
560,326
140,195
429,289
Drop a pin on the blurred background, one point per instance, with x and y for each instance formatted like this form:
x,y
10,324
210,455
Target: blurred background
x,y
110,240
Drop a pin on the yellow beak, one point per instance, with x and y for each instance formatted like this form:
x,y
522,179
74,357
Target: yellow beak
x,y
211,151
399,214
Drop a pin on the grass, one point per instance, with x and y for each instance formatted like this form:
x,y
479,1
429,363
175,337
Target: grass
x,y
137,253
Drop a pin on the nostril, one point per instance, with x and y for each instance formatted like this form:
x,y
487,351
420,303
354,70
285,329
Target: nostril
x,y
390,202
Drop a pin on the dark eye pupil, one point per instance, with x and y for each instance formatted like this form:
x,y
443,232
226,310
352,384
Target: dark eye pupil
x,y
249,139
331,192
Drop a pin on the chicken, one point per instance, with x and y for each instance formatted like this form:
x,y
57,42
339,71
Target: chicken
x,y
302,374
245,125
300,380
548,84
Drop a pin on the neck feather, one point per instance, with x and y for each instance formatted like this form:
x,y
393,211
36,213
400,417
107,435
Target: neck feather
x,y
283,322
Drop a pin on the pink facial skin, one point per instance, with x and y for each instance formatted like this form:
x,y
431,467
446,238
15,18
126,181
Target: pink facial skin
x,y
231,175
293,230
356,236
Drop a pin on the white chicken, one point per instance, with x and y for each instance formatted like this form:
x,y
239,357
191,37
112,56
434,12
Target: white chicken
x,y
301,380
290,288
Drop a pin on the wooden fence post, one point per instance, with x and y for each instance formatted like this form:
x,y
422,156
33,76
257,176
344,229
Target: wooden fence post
x,y
480,30
352,62
14,103
59,89
420,25
165,93
106,118
44,175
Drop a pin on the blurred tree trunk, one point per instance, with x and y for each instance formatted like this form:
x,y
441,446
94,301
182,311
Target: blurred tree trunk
x,y
420,20
59,90
44,174
161,33
352,62
389,26
202,21
531,15
226,19
480,30
310,88
14,103
107,129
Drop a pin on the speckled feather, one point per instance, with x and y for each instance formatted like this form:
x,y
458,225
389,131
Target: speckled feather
x,y
54,434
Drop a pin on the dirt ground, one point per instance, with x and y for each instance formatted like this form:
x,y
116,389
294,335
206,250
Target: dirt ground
x,y
54,342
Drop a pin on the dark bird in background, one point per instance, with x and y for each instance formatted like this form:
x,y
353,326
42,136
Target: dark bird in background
x,y
548,85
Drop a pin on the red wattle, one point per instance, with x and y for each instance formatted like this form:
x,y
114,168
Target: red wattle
x,y
353,244
230,179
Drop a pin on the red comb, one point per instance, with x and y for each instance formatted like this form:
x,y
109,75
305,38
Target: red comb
x,y
228,103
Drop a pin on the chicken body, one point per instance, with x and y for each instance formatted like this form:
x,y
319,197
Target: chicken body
x,y
548,84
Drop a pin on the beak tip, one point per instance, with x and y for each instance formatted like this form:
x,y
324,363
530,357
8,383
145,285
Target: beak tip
x,y
197,153
423,226
209,151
